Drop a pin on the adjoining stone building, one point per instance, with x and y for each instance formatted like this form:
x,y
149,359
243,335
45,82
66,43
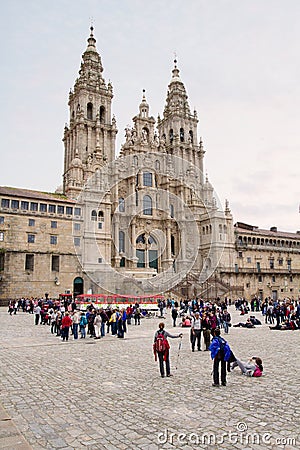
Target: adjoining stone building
x,y
266,263
147,221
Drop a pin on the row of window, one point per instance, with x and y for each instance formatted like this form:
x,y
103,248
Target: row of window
x,y
31,239
41,207
244,240
271,262
181,136
29,262
147,206
89,112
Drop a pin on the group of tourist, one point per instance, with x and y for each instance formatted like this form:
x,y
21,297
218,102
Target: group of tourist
x,y
63,318
95,322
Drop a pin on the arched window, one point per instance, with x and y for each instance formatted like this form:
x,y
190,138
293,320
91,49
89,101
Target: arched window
x,y
141,239
172,244
172,211
121,204
121,241
171,135
147,205
101,216
145,135
151,240
102,114
147,179
89,111
181,134
94,215
191,136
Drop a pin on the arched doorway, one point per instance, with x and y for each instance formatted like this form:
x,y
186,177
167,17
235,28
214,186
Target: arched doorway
x,y
77,286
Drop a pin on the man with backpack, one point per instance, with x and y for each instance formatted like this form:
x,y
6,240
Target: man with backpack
x,y
220,353
161,349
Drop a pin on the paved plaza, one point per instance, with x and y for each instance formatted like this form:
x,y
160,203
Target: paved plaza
x,y
108,394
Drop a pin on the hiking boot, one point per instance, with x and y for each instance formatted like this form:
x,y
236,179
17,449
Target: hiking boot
x,y
215,385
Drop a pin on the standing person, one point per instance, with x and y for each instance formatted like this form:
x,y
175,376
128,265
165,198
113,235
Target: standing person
x,y
97,325
82,324
196,331
124,319
206,331
174,316
226,319
220,353
213,321
66,322
161,308
90,319
129,312
75,323
137,315
104,318
53,316
37,313
161,348
113,322
120,328
10,308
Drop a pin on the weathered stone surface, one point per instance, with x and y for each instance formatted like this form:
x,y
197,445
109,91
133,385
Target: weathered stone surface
x,y
110,395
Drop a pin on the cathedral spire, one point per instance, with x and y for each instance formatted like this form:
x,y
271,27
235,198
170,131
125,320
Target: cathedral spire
x,y
144,107
175,73
91,41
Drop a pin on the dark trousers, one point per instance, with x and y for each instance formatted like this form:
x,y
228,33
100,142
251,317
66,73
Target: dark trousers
x,y
196,336
217,362
161,363
65,333
37,319
75,330
206,335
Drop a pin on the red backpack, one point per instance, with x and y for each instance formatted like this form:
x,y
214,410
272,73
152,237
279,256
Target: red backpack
x,y
161,343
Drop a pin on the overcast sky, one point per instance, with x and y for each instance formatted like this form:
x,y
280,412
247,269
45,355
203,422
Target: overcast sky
x,y
239,61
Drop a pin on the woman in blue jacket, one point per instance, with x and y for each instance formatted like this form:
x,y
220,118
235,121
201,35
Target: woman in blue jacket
x,y
220,353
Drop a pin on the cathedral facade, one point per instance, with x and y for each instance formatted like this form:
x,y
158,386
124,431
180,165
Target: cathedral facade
x,y
145,222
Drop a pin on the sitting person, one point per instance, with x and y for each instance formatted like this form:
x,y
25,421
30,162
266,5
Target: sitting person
x,y
255,321
248,324
286,325
186,322
253,368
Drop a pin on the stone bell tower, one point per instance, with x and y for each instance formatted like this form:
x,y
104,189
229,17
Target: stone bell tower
x,y
178,127
89,139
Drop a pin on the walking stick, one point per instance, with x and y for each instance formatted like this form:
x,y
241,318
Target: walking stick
x,y
179,348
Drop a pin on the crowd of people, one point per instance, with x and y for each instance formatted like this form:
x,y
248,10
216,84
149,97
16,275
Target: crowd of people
x,y
64,318
204,318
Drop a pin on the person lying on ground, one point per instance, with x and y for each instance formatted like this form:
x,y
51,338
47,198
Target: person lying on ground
x,y
253,368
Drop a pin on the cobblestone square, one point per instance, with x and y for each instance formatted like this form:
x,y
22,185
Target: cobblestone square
x,y
108,394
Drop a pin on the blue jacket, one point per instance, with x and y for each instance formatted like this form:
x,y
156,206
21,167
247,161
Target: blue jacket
x,y
216,345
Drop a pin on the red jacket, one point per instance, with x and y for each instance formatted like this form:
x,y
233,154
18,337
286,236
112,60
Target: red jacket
x,y
66,322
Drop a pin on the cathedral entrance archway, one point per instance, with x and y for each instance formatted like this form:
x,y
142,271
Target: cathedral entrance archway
x,y
77,286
